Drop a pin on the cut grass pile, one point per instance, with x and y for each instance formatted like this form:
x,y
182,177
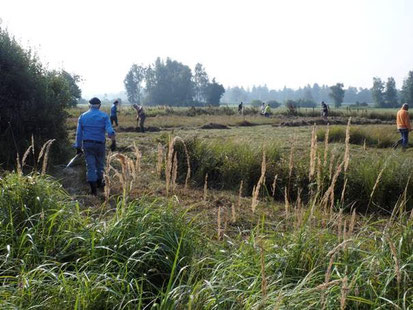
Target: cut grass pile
x,y
146,255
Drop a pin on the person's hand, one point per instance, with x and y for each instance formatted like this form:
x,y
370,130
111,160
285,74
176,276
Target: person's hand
x,y
113,146
79,151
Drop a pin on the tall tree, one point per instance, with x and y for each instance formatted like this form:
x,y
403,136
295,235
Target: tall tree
x,y
337,94
407,89
133,83
201,82
32,101
75,91
377,92
169,83
214,92
390,95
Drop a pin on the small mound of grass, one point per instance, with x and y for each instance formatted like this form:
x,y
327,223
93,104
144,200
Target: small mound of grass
x,y
214,126
246,123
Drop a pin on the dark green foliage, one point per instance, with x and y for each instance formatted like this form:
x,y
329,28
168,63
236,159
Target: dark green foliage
x,y
274,104
213,93
74,90
291,106
377,92
32,101
337,94
169,83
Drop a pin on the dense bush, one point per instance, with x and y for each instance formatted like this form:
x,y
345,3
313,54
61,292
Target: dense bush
x,y
32,101
273,104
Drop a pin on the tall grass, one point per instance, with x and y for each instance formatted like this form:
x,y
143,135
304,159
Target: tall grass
x,y
146,254
53,254
227,164
378,136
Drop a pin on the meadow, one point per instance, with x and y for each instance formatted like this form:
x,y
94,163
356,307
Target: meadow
x,y
210,209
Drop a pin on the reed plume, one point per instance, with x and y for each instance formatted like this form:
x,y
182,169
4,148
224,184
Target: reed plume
x,y
313,153
396,261
256,190
347,147
46,155
233,213
169,161
286,203
206,187
344,292
274,184
174,171
26,154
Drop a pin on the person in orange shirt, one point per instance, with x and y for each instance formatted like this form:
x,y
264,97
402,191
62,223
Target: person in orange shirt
x,y
403,125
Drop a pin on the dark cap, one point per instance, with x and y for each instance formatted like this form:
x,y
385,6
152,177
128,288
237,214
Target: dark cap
x,y
94,101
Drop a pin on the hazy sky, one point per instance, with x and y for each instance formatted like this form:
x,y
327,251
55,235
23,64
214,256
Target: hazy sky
x,y
278,42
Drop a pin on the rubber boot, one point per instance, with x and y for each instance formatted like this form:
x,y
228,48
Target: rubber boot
x,y
93,188
100,184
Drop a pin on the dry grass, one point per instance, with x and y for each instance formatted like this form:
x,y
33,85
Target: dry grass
x,y
169,163
206,187
313,154
347,146
256,190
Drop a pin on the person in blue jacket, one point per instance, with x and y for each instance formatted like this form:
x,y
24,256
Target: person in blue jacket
x,y
90,135
114,113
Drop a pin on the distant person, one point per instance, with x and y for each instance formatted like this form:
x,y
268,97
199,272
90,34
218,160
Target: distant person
x,y
324,110
140,117
240,108
114,113
263,108
267,110
90,135
403,125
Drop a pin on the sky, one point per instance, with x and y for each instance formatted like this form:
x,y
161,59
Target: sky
x,y
241,43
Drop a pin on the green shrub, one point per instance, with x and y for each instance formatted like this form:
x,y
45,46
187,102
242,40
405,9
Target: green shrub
x,y
32,102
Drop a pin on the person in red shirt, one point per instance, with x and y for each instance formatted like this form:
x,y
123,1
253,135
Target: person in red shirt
x,y
403,125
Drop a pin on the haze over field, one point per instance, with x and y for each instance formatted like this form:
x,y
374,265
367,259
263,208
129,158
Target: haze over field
x,y
243,43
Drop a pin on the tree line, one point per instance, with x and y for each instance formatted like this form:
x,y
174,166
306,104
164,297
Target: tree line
x,y
382,95
169,82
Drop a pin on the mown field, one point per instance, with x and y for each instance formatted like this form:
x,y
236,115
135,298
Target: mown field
x,y
209,209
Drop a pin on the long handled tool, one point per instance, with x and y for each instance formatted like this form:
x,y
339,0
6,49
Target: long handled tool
x,y
73,160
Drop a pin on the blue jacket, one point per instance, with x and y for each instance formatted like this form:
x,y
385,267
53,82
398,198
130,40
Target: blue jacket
x,y
92,125
114,110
